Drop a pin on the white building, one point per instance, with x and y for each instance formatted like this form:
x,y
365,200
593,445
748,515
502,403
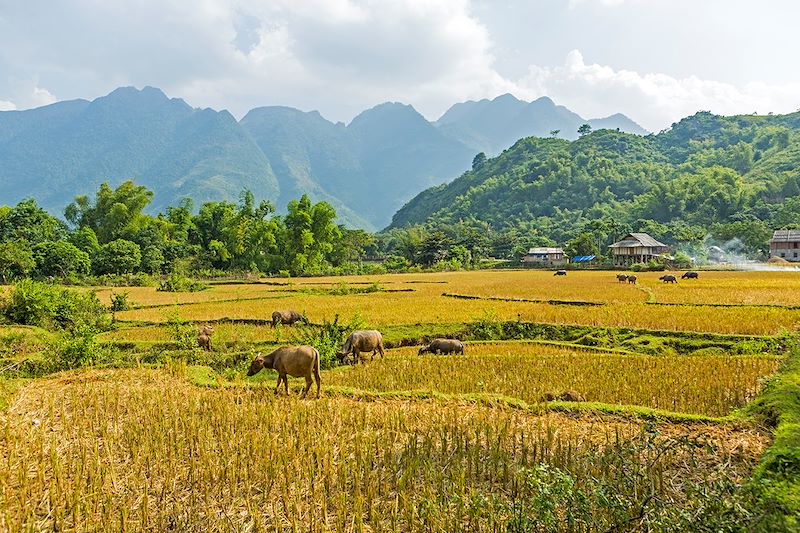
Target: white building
x,y
547,257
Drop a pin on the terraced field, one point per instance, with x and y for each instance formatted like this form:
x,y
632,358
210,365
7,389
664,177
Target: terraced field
x,y
677,409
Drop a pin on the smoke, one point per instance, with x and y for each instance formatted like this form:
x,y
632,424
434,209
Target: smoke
x,y
735,255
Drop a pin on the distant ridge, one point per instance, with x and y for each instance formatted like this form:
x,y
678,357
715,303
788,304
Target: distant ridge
x,y
367,169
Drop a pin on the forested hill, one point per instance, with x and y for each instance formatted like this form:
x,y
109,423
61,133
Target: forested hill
x,y
703,173
366,169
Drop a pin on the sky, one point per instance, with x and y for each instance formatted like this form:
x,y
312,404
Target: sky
x,y
653,60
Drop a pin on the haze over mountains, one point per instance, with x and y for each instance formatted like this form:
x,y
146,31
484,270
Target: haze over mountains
x,y
367,169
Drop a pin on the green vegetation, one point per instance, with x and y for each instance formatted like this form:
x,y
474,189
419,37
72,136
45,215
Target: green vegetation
x,y
731,178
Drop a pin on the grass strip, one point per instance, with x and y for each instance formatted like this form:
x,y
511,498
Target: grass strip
x,y
776,480
578,303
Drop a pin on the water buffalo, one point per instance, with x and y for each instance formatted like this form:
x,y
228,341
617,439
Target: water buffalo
x,y
690,275
443,346
287,317
295,361
361,341
622,278
668,278
560,273
204,337
632,279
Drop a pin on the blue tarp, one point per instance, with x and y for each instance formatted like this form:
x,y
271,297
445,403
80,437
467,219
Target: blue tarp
x,y
582,259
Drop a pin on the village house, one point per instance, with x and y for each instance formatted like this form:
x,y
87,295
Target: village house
x,y
785,243
546,257
637,248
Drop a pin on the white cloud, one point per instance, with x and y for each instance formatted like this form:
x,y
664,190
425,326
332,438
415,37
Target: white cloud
x,y
655,100
7,106
338,56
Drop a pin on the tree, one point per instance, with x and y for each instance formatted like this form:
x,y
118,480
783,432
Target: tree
x,y
118,257
310,235
583,244
584,129
478,161
85,239
16,260
114,214
30,223
59,258
152,260
554,133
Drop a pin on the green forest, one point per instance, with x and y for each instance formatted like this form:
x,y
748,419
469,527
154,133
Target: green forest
x,y
707,180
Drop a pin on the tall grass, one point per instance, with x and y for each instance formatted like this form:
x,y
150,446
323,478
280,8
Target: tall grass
x,y
710,385
140,450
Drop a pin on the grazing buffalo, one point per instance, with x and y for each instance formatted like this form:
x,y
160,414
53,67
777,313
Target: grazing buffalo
x,y
287,318
204,337
361,341
622,278
690,275
443,346
668,278
295,361
632,279
560,273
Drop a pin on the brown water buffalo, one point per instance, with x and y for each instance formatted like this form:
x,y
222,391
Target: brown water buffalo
x,y
690,275
295,361
668,278
622,278
288,318
204,337
443,346
632,279
560,273
361,341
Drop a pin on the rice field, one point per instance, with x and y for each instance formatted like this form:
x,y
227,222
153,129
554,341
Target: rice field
x,y
623,305
406,443
709,385
75,457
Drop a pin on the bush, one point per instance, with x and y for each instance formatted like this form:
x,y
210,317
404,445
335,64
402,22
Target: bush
x,y
53,307
327,338
177,283
184,333
119,301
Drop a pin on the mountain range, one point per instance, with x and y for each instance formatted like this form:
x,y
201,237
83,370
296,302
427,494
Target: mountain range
x,y
366,169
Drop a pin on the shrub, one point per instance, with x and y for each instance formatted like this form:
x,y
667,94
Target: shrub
x,y
119,301
52,306
184,333
327,338
177,283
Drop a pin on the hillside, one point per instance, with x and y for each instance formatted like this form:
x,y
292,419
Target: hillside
x,y
705,170
69,148
367,169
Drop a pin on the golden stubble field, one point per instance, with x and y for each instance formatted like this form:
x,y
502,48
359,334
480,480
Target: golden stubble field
x,y
406,443
141,450
760,302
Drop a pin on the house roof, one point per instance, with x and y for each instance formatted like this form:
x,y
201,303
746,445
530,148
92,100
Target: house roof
x,y
544,250
633,240
786,235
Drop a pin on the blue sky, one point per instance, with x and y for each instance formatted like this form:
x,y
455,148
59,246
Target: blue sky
x,y
654,60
